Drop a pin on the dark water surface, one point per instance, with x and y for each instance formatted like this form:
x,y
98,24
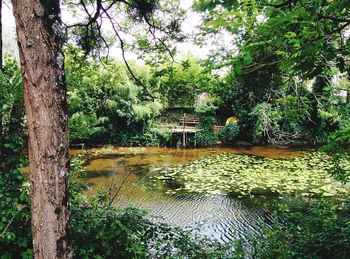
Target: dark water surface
x,y
218,216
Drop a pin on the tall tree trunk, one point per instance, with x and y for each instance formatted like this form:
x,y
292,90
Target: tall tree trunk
x,y
39,34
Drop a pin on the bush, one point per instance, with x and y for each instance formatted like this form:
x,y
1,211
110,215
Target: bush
x,y
338,141
85,128
266,122
338,145
151,136
229,134
206,116
206,138
15,233
314,230
108,232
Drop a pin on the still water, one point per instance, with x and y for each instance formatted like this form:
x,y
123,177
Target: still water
x,y
218,216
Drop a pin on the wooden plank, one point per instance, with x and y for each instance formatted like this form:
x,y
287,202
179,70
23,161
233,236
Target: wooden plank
x,y
187,130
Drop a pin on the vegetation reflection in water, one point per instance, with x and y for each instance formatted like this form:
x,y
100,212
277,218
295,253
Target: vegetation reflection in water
x,y
146,187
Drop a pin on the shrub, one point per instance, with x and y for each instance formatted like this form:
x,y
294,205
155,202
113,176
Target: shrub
x,y
338,141
206,138
15,233
108,232
338,144
229,134
266,122
150,136
84,128
313,230
206,115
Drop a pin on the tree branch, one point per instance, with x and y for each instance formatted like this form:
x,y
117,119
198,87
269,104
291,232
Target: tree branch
x,y
333,18
122,46
287,3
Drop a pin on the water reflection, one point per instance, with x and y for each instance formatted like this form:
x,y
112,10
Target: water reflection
x,y
218,216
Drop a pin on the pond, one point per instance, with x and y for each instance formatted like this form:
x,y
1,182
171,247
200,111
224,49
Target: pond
x,y
215,215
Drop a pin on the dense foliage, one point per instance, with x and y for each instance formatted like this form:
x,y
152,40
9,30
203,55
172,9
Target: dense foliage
x,y
315,229
15,233
287,64
106,106
301,35
181,84
228,134
206,115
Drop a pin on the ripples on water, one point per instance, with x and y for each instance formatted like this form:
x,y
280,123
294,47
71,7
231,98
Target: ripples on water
x,y
219,216
216,216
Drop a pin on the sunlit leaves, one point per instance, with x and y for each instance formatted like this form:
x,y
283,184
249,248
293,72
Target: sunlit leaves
x,y
298,31
103,99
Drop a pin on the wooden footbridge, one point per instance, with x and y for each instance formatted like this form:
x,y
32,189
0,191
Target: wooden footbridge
x,y
186,126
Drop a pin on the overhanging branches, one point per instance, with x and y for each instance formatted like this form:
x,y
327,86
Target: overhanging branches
x,y
90,37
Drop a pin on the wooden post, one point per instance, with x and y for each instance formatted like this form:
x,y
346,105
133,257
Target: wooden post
x,y
195,138
183,133
171,139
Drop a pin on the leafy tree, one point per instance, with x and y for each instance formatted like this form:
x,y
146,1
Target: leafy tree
x,y
237,95
275,47
104,102
304,35
15,235
180,83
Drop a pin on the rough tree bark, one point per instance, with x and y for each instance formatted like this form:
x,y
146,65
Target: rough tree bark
x,y
39,35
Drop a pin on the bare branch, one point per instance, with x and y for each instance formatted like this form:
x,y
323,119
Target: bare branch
x,y
163,44
122,46
111,200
